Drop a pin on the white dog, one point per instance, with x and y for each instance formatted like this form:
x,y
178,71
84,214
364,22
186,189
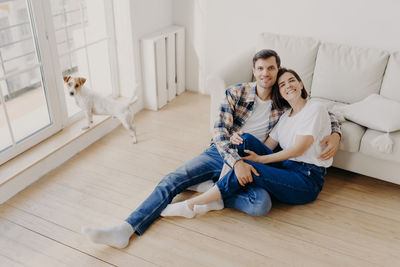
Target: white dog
x,y
93,103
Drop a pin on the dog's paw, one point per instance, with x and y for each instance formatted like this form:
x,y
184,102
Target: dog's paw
x,y
134,140
85,128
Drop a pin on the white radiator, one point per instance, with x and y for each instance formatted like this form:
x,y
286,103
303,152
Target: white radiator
x,y
163,66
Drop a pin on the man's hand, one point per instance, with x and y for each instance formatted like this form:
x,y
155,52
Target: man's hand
x,y
332,145
244,172
236,139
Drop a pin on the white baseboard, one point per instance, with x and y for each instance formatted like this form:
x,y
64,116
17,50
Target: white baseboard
x,y
33,173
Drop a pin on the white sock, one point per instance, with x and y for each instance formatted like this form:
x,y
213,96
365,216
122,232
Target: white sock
x,y
202,209
117,236
178,209
201,187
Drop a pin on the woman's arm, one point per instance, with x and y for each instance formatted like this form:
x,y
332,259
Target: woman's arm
x,y
271,143
302,143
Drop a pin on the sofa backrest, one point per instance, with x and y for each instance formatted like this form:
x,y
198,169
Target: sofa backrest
x,y
297,53
347,73
391,80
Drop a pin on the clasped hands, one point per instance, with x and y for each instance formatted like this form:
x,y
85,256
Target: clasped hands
x,y
242,169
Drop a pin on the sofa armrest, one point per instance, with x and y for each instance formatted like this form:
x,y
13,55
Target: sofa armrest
x,y
238,69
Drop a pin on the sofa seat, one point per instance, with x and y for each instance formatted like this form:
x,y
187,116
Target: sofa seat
x,y
352,134
367,149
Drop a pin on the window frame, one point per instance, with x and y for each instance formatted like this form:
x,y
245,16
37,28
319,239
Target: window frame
x,y
42,26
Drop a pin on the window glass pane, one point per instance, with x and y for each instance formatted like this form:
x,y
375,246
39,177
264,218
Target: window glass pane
x,y
95,25
14,64
100,68
21,82
5,138
67,18
82,44
27,108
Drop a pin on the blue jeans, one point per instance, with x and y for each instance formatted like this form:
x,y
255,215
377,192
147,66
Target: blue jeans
x,y
251,199
288,181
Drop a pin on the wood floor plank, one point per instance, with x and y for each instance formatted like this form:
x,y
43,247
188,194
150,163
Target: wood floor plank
x,y
32,249
324,240
365,194
268,241
6,261
350,225
70,238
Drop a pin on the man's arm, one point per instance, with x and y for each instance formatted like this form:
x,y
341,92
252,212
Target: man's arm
x,y
332,141
335,124
222,127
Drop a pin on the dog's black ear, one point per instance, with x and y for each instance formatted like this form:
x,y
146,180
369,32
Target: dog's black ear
x,y
66,78
80,80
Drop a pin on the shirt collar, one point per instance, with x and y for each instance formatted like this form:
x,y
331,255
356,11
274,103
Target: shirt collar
x,y
252,93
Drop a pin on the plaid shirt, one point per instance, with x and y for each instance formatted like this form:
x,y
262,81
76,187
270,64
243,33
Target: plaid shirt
x,y
237,107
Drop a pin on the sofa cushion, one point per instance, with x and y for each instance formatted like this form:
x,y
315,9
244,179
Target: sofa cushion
x,y
375,112
297,53
368,149
347,74
351,132
391,80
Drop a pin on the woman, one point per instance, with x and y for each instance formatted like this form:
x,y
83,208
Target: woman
x,y
294,175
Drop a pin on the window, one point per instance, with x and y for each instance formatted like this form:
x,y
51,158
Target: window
x,y
41,41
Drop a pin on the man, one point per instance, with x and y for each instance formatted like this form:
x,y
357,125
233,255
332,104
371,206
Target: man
x,y
247,107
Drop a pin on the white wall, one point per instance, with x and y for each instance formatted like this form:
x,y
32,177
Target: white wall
x,y
231,25
134,19
190,14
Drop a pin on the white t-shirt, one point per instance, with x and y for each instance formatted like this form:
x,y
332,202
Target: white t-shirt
x,y
313,120
257,123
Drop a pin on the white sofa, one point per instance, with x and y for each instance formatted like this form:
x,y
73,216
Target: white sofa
x,y
337,75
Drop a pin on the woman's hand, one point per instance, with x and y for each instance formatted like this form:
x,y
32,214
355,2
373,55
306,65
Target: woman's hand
x,y
236,139
252,156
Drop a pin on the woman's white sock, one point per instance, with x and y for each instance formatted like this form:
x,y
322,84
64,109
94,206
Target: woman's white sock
x,y
117,236
178,209
202,209
202,187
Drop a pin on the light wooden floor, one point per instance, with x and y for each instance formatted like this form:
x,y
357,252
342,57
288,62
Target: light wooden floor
x,y
354,222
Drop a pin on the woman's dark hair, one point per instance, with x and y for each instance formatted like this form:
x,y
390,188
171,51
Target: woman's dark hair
x,y
265,54
277,100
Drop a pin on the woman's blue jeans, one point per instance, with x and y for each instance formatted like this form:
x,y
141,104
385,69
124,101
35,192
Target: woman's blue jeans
x,y
251,199
288,181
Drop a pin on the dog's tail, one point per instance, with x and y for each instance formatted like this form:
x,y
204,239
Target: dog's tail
x,y
130,104
134,97
132,100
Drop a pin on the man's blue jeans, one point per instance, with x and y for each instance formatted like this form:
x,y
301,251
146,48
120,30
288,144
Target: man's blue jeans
x,y
251,199
288,181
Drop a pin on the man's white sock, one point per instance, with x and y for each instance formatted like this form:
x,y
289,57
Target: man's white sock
x,y
178,209
202,209
117,236
201,187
